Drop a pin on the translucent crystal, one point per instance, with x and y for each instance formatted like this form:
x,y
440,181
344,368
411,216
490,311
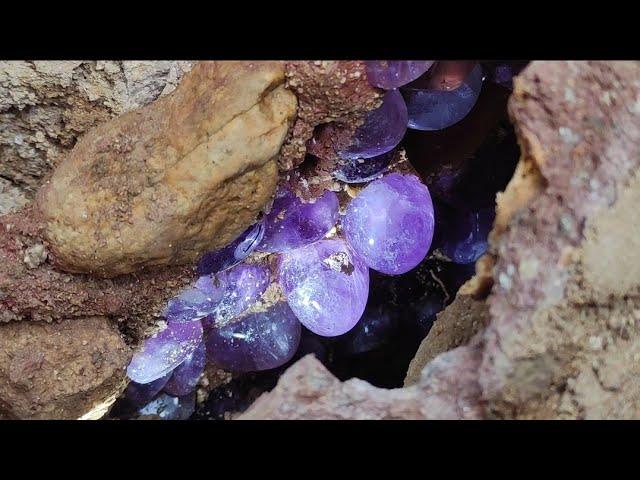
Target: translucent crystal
x,y
164,351
326,285
390,74
292,223
257,341
186,375
382,130
444,95
362,170
234,253
237,289
390,223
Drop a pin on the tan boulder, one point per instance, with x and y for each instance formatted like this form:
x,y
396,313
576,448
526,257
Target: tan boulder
x,y
162,184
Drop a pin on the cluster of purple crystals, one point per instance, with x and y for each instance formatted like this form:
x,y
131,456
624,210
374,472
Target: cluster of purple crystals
x,y
324,258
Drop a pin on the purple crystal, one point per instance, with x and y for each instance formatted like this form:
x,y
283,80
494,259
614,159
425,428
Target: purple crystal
x,y
192,304
374,329
239,288
232,254
164,351
257,341
466,238
363,170
390,223
186,375
291,223
141,393
389,74
502,73
444,95
382,130
168,407
326,285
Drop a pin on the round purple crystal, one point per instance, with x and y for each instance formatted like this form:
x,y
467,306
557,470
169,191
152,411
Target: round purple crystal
x,y
186,375
168,407
239,288
466,237
141,393
374,329
444,95
257,341
382,130
389,74
362,170
164,351
291,223
390,223
234,253
326,285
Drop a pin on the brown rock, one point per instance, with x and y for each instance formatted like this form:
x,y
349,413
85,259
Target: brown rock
x,y
61,370
162,184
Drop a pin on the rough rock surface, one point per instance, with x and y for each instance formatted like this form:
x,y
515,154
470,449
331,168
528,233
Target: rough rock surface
x,y
163,184
32,289
60,370
564,322
327,91
455,326
46,105
11,197
564,309
447,389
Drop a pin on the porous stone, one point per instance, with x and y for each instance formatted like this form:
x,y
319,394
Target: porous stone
x,y
45,106
60,370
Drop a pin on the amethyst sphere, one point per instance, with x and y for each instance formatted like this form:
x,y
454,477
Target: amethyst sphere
x,y
443,96
164,351
390,223
466,236
382,130
389,74
239,288
326,285
259,340
292,223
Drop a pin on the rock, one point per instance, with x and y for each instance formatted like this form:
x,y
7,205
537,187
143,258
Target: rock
x,y
45,106
327,91
163,184
565,258
61,370
447,389
11,197
454,326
